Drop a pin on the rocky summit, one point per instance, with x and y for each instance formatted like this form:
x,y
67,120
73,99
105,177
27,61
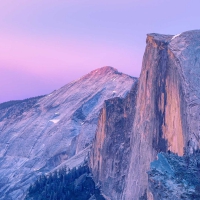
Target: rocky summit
x,y
40,134
138,139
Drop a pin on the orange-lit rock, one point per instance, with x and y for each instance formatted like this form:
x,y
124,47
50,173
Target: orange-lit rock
x,y
166,116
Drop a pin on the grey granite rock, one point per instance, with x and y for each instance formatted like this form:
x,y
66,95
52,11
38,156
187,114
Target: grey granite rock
x,y
172,177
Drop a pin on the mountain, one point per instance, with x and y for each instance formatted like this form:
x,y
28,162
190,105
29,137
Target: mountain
x,y
140,138
162,116
167,105
40,134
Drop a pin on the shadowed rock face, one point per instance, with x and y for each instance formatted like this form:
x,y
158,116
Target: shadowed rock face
x,y
168,91
110,153
40,134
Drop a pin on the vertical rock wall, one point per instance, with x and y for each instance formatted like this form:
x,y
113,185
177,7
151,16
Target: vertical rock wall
x,y
109,158
165,117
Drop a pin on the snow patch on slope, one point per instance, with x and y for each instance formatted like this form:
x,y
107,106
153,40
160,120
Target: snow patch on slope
x,y
175,36
55,121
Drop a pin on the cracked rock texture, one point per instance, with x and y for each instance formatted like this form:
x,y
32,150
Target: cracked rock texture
x,y
174,177
40,134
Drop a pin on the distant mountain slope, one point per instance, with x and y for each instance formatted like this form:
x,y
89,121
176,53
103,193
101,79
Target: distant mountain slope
x,y
38,136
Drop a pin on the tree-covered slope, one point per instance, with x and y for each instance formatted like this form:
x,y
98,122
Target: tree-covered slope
x,y
75,184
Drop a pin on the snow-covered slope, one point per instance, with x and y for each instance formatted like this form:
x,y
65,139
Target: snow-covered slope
x,y
39,134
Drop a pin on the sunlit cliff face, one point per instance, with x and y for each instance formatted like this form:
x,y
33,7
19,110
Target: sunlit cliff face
x,y
161,83
167,104
172,127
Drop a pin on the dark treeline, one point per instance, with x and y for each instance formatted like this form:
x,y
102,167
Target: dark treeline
x,y
75,184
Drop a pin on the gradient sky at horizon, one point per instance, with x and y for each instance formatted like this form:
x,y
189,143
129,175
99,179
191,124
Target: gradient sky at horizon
x,y
45,44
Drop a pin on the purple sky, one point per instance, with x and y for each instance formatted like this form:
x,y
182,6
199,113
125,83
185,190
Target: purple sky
x,y
45,44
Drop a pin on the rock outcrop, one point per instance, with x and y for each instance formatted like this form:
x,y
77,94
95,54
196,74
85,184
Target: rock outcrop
x,y
40,134
174,177
165,117
110,155
167,104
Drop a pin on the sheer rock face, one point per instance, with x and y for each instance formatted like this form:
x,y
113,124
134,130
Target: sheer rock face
x,y
186,49
165,116
110,153
167,107
39,134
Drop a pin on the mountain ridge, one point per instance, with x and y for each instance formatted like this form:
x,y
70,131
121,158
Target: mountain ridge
x,y
38,136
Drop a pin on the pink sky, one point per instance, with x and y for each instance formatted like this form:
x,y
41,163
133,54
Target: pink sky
x,y
33,66
46,44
